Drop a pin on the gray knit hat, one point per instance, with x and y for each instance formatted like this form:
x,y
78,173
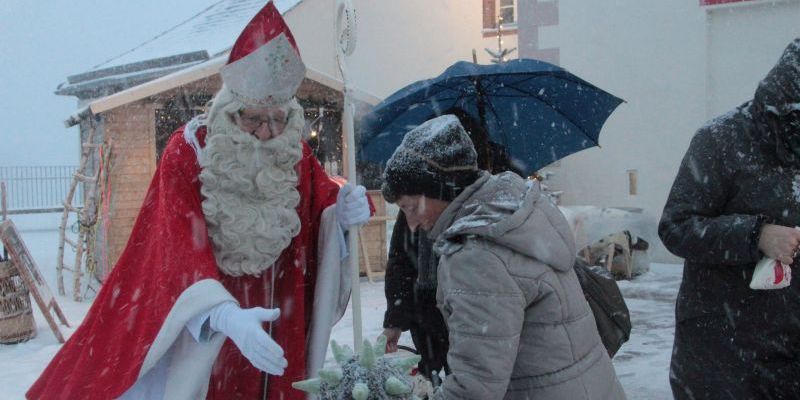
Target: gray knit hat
x,y
436,159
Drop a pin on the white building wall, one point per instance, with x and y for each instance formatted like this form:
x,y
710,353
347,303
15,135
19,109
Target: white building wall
x,y
673,62
744,43
398,42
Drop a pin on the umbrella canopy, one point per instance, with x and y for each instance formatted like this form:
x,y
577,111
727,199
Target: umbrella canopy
x,y
536,111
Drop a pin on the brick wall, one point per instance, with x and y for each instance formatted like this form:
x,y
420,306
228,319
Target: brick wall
x,y
489,14
132,133
131,128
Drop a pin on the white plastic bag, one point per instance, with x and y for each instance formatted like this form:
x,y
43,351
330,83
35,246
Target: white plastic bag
x,y
771,274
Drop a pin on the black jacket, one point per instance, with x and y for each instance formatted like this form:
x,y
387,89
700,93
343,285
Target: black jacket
x,y
739,173
410,298
411,304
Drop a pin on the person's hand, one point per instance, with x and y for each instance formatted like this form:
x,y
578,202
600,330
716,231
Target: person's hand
x,y
779,242
243,327
352,207
392,337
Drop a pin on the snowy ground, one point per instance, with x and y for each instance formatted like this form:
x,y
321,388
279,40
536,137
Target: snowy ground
x,y
642,364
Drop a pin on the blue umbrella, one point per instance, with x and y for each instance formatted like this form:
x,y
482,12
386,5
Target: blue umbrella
x,y
536,111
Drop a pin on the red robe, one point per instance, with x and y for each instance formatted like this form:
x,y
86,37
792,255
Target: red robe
x,y
169,251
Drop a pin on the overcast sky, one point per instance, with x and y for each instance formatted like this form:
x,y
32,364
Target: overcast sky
x,y
42,42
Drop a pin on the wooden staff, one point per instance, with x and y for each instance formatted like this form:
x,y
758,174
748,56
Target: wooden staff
x,y
346,37
3,211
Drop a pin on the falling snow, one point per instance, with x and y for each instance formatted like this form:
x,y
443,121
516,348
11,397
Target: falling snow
x,y
642,363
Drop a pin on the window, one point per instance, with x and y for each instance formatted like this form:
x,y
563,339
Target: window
x,y
495,9
507,12
174,113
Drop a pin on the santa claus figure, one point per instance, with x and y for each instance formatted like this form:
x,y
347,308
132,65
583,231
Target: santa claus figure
x,y
233,273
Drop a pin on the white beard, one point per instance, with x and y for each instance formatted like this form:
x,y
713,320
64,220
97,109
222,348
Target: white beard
x,y
250,193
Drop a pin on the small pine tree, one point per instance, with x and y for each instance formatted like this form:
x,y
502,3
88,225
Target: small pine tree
x,y
366,376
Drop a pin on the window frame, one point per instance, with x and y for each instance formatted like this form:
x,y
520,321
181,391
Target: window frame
x,y
515,15
490,14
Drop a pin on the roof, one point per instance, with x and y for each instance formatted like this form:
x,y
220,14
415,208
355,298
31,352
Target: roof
x,y
209,33
106,81
192,50
191,74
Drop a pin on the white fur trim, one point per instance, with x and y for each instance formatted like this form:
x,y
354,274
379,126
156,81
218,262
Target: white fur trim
x,y
331,293
191,360
190,134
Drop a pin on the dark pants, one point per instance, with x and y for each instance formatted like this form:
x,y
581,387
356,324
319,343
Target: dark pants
x,y
429,335
713,360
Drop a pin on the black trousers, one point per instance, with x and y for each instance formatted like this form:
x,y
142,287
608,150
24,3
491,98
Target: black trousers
x,y
720,358
429,335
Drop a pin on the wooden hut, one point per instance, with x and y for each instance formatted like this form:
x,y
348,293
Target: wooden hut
x,y
135,100
133,108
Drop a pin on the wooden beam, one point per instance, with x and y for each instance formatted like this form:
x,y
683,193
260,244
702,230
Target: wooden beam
x,y
201,71
159,85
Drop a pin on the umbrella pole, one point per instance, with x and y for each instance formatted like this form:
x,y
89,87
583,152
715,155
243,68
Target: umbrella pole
x,y
346,32
481,105
480,102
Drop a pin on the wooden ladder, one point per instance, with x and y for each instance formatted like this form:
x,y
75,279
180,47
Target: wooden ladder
x,y
90,173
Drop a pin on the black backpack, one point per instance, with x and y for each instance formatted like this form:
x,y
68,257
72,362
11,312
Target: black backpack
x,y
607,304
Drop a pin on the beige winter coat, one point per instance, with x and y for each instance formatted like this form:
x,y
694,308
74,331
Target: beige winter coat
x,y
519,325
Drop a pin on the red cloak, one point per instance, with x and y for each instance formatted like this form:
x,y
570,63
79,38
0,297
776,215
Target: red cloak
x,y
169,251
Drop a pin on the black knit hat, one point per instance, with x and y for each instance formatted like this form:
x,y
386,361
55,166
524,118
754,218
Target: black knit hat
x,y
436,159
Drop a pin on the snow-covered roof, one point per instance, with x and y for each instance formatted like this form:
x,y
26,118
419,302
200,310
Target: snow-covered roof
x,y
211,31
106,81
191,74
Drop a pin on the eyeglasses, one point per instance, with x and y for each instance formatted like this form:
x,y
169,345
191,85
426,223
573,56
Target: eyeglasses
x,y
251,124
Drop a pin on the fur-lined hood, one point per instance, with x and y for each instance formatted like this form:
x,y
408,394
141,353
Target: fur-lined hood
x,y
508,211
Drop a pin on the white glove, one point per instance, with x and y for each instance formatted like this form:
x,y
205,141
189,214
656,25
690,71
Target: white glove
x,y
352,207
243,326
